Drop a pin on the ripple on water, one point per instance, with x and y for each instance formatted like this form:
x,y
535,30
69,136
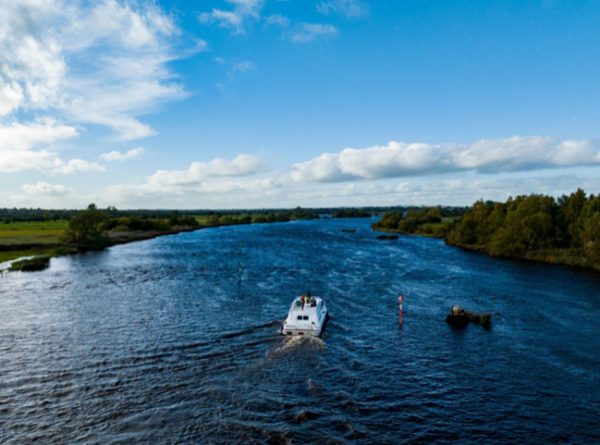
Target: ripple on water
x,y
157,341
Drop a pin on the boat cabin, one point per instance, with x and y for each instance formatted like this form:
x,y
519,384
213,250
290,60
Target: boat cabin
x,y
308,317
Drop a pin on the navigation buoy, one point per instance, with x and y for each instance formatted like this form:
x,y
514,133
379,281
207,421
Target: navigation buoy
x,y
400,300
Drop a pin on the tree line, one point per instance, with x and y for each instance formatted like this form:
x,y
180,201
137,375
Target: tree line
x,y
530,226
89,228
352,213
428,221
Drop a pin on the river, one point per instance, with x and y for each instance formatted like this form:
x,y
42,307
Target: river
x,y
158,342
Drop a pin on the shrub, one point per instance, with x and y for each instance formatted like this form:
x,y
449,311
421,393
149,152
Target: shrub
x,y
590,237
31,264
87,229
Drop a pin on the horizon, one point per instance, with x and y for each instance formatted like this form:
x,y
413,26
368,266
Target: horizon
x,y
248,104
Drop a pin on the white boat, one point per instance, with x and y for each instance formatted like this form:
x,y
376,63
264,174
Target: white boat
x,y
306,318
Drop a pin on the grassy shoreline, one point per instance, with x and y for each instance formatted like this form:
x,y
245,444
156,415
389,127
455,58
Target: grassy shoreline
x,y
15,251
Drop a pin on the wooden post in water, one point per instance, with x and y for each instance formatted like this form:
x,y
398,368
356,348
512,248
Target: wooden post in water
x,y
400,301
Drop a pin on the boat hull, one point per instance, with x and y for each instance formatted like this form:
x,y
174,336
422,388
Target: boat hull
x,y
314,331
309,332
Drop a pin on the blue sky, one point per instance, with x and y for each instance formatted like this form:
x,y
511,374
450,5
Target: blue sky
x,y
251,103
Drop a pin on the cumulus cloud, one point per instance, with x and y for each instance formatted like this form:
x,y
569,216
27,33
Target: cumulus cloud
x,y
22,137
310,31
235,19
398,159
217,181
77,165
198,172
118,156
212,194
350,8
11,97
101,63
18,140
45,189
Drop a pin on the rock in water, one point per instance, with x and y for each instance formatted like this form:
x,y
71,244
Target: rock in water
x,y
387,237
304,416
457,317
486,320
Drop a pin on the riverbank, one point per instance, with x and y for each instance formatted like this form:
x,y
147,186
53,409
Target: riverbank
x,y
13,251
398,232
562,257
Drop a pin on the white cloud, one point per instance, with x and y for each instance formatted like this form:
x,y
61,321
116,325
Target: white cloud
x,y
243,67
17,136
350,8
397,159
18,140
310,31
117,156
236,19
45,189
278,20
102,62
11,97
242,165
19,160
215,194
75,165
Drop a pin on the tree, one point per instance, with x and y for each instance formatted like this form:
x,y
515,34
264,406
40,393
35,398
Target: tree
x,y
590,237
87,229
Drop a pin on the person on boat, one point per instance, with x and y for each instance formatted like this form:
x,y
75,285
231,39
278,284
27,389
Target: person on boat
x,y
308,295
302,301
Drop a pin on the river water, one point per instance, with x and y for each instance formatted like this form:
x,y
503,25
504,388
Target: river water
x,y
158,342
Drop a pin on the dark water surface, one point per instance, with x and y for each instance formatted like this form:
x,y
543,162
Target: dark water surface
x,y
156,342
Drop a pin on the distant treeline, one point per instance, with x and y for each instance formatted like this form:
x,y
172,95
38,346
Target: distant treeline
x,y
91,228
564,230
428,221
352,213
24,215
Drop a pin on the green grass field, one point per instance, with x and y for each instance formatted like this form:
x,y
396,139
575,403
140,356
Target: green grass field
x,y
14,254
46,232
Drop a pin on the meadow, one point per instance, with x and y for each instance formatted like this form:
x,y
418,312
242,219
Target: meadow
x,y
33,235
26,234
21,239
42,232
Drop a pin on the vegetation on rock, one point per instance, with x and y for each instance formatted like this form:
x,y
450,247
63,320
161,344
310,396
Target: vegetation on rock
x,y
31,264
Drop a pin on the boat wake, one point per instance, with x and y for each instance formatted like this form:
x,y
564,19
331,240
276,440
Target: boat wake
x,y
297,343
251,329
